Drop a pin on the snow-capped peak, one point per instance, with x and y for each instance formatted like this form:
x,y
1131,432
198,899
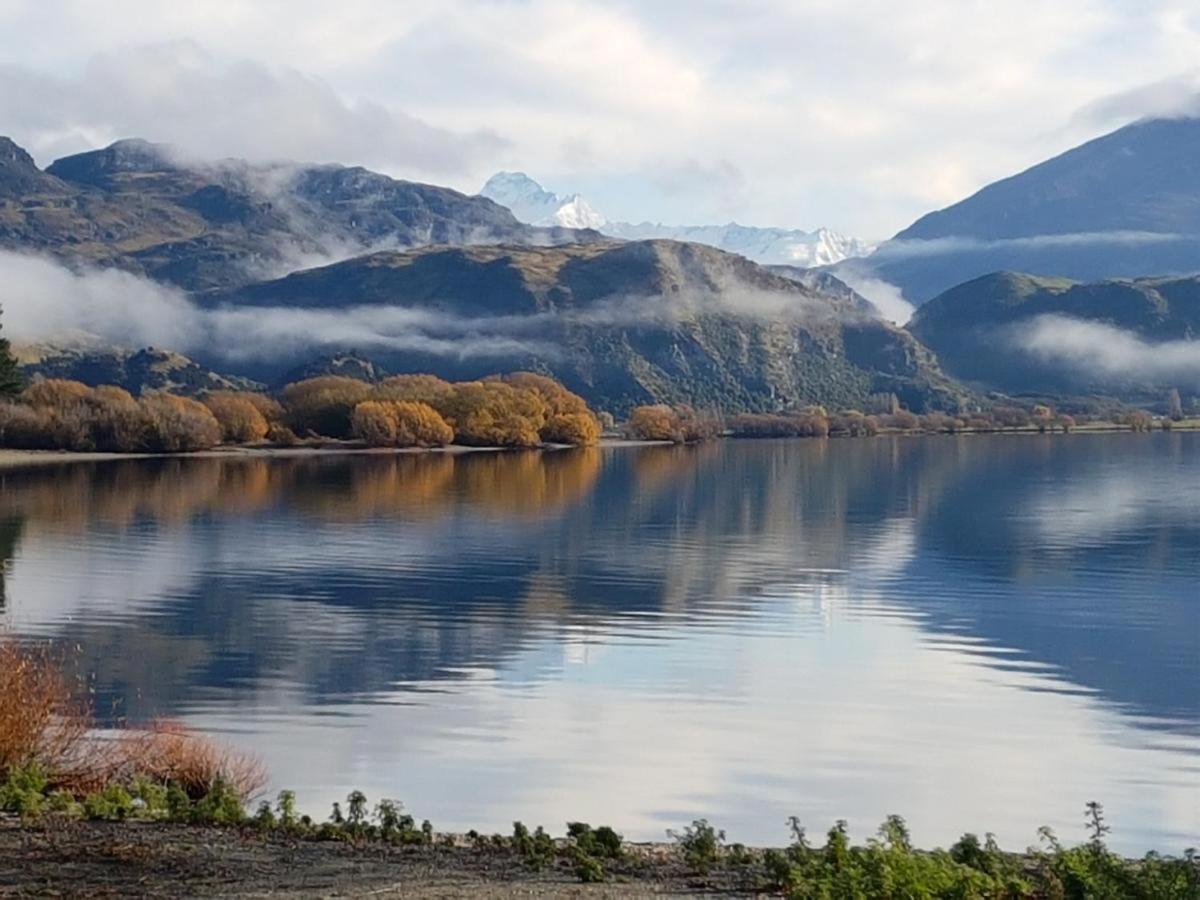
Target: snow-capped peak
x,y
533,204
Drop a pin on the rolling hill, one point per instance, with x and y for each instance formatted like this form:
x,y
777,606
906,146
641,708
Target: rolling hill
x,y
1029,334
622,323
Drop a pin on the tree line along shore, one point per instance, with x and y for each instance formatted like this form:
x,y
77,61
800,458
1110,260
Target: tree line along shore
x,y
518,410
112,806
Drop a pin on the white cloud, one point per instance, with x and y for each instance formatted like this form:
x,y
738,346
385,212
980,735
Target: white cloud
x,y
856,116
177,93
1107,353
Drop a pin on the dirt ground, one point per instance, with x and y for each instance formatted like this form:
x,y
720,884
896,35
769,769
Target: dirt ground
x,y
125,860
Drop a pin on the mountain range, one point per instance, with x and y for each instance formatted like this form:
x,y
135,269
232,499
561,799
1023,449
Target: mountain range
x,y
1124,205
1074,276
462,288
532,203
144,208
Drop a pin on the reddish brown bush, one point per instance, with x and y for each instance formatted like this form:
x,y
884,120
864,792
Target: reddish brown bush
x,y
44,721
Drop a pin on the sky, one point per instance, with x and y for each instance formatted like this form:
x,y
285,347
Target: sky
x,y
857,116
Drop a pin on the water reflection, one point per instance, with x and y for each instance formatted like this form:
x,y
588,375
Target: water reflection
x,y
831,628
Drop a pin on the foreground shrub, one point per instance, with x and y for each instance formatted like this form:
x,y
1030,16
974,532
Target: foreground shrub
x,y
47,736
170,753
700,844
240,418
42,724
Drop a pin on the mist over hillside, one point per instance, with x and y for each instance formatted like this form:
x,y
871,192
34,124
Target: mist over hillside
x,y
1124,205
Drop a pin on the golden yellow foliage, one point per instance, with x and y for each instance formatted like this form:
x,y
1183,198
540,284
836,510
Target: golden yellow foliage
x,y
179,424
373,422
423,388
323,405
420,425
652,423
580,429
403,423
57,393
239,417
494,414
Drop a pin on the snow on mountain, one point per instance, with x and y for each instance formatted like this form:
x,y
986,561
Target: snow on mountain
x,y
533,204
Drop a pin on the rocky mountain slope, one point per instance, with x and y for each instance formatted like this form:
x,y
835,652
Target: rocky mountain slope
x,y
141,207
1123,205
622,323
82,358
530,202
1023,333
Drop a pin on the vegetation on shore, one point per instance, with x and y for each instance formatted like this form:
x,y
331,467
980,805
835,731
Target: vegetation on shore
x,y
518,410
685,425
56,768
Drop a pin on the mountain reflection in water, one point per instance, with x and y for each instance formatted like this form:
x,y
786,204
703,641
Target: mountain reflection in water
x,y
977,632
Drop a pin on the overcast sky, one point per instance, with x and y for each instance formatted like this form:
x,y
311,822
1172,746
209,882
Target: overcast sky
x,y
858,114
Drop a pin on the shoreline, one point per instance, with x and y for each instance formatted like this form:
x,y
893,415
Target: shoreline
x,y
13,458
160,859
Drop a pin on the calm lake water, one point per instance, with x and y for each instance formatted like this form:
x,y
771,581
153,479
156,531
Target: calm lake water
x,y
979,633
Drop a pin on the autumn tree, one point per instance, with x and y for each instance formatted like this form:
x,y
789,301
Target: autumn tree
x,y
118,423
578,429
420,388
568,418
420,425
493,414
56,393
179,424
656,422
323,405
239,417
400,423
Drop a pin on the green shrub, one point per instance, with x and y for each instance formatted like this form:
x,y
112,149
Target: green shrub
x,y
222,805
700,844
112,804
537,849
24,791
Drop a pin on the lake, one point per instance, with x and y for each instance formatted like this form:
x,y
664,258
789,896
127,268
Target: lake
x,y
979,633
